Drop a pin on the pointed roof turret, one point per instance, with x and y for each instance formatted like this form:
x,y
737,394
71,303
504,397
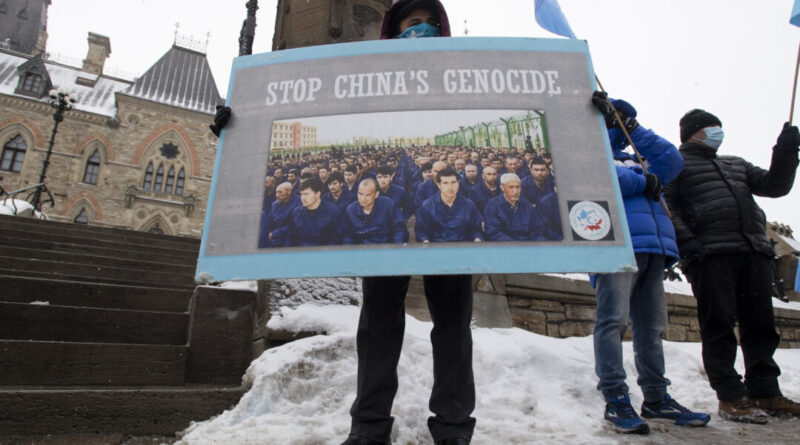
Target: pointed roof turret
x,y
181,78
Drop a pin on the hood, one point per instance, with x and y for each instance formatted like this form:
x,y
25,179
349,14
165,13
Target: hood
x,y
389,19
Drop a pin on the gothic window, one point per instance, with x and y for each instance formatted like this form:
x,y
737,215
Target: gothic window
x,y
179,184
92,169
13,155
82,217
156,229
159,178
32,83
170,180
148,177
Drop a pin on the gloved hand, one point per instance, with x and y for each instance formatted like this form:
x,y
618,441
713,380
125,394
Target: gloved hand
x,y
653,187
603,105
692,250
789,139
221,118
606,107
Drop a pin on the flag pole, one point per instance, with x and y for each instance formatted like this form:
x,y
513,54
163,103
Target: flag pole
x,y
794,90
633,146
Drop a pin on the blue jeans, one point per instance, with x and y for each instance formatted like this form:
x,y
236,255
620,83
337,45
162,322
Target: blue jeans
x,y
640,297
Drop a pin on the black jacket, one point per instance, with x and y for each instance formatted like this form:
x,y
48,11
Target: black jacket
x,y
712,199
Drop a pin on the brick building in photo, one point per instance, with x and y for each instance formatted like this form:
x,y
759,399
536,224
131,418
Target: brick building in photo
x,y
135,154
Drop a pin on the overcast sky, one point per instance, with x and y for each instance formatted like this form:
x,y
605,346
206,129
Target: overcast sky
x,y
734,58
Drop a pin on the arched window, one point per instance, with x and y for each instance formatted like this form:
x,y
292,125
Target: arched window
x,y
170,180
159,178
92,169
13,154
179,184
82,217
148,177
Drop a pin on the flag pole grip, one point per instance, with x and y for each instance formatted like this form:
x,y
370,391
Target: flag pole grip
x,y
633,146
794,90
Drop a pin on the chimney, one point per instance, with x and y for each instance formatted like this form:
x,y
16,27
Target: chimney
x,y
99,50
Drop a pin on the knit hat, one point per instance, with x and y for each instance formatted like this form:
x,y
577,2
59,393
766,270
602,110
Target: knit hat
x,y
696,120
623,107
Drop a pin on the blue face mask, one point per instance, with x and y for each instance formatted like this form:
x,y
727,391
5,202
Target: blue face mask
x,y
421,30
714,137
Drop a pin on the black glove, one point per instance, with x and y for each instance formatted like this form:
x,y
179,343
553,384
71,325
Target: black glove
x,y
789,139
653,187
692,250
603,105
606,108
221,119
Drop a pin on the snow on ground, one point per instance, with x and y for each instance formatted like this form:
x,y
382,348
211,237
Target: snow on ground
x,y
530,388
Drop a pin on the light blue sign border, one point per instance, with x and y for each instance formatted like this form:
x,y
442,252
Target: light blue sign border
x,y
425,259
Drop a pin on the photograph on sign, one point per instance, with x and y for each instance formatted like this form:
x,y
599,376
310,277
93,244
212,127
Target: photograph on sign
x,y
478,155
364,194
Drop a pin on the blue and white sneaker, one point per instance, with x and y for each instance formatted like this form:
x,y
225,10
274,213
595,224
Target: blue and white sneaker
x,y
624,418
672,411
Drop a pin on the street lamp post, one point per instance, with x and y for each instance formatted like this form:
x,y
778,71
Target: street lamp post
x,y
62,102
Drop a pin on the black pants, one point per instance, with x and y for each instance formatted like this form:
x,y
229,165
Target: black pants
x,y
380,339
731,288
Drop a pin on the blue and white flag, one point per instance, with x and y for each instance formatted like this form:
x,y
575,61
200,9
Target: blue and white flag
x,y
550,17
795,20
797,280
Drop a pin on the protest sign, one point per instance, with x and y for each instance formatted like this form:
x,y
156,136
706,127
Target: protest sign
x,y
353,108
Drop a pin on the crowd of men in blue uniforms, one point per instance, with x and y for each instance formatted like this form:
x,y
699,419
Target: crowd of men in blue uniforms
x,y
314,200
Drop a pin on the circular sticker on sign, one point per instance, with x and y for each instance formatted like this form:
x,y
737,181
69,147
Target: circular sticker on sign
x,y
590,220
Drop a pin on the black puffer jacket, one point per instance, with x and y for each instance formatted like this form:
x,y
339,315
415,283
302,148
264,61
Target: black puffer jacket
x,y
712,199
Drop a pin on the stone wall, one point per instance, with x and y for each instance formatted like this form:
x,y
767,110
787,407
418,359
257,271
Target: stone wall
x,y
558,306
563,307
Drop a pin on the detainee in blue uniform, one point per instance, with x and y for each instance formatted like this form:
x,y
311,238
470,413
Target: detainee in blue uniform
x,y
316,222
485,189
373,219
509,217
539,183
388,189
275,224
336,193
638,295
448,216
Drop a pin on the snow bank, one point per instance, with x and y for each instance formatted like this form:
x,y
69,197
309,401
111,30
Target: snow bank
x,y
530,388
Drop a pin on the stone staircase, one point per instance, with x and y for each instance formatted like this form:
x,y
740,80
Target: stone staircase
x,y
103,331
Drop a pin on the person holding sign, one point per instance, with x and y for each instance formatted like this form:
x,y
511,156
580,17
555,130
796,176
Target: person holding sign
x,y
380,329
726,254
638,295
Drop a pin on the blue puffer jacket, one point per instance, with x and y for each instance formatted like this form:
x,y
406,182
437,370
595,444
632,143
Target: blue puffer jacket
x,y
650,226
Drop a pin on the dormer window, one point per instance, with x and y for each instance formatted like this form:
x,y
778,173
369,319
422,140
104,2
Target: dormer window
x,y
32,83
34,80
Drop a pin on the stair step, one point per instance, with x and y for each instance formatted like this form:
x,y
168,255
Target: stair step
x,y
119,275
87,294
132,411
90,240
92,259
68,364
76,324
188,257
91,231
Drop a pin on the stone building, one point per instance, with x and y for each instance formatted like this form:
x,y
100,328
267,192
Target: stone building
x,y
134,154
